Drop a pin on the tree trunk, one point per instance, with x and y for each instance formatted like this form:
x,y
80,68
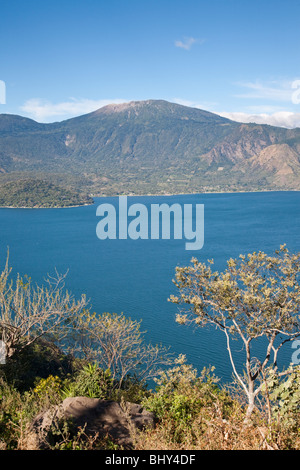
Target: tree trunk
x,y
250,407
251,400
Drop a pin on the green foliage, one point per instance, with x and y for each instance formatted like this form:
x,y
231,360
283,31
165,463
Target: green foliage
x,y
285,396
91,381
38,361
155,147
49,389
16,413
39,193
190,408
182,395
9,414
132,390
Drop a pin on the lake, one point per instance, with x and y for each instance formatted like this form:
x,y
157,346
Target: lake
x,y
135,276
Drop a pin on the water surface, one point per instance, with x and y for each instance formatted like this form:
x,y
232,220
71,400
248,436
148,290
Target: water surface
x,y
135,276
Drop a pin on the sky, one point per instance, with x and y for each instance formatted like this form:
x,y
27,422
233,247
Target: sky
x,y
237,58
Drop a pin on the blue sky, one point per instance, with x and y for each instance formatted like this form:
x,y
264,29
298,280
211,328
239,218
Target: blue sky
x,y
237,58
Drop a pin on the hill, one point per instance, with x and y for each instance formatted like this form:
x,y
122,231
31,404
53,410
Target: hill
x,y
151,147
36,193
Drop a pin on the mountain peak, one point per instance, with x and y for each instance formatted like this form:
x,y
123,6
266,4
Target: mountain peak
x,y
128,105
154,108
153,146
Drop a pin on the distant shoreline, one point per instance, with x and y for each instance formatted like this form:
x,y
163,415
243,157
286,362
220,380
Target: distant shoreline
x,y
157,195
59,207
205,192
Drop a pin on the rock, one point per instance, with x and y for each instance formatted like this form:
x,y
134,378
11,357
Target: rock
x,y
105,417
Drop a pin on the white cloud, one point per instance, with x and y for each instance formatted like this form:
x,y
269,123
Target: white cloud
x,y
187,43
46,111
260,114
276,90
281,118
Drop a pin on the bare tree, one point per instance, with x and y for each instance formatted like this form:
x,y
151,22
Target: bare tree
x,y
117,344
28,312
256,296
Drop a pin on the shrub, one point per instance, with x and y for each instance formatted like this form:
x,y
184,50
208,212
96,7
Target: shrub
x,y
132,390
91,381
285,396
49,390
38,361
182,396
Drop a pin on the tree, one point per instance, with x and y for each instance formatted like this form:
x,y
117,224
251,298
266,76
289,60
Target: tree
x,y
117,344
29,312
258,295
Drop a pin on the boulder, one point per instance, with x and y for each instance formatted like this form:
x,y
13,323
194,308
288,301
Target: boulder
x,y
119,421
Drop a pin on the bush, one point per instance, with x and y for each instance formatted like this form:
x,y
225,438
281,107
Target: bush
x,y
91,381
285,396
182,396
132,390
37,361
16,413
49,390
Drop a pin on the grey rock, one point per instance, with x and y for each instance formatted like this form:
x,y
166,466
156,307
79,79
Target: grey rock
x,y
103,417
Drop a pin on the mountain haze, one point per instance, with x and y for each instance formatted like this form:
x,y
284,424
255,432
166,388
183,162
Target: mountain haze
x,y
150,147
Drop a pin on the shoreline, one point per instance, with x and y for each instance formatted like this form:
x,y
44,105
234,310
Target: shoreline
x,y
205,192
59,207
156,195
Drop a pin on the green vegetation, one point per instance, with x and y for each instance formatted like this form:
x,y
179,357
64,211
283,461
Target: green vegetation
x,y
256,297
34,193
57,348
149,147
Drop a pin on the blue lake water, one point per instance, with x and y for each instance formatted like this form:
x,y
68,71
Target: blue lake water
x,y
135,276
